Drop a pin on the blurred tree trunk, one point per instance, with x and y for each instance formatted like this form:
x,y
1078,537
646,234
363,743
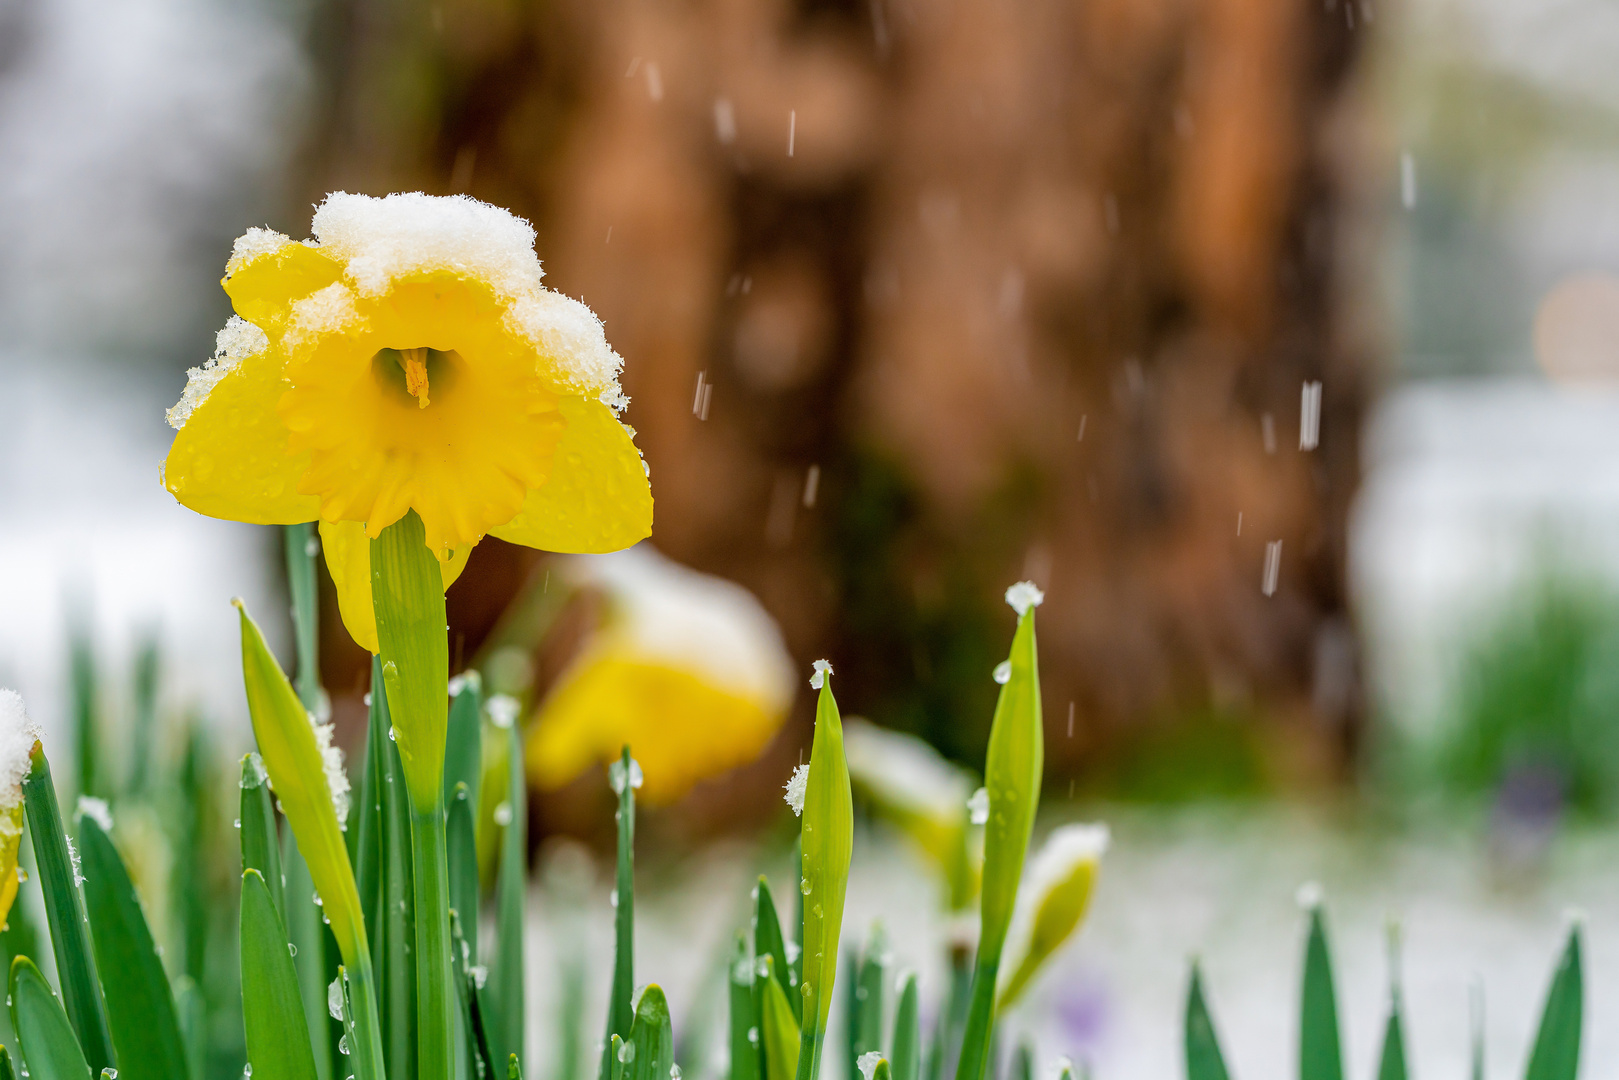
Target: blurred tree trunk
x,y
979,291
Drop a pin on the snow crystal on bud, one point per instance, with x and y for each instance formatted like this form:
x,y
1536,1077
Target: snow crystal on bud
x,y
17,738
253,243
615,776
334,998
261,775
337,778
237,340
1310,895
796,786
503,710
91,807
822,670
867,1063
978,806
1023,596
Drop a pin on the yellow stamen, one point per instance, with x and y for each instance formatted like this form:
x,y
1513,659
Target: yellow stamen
x,y
415,363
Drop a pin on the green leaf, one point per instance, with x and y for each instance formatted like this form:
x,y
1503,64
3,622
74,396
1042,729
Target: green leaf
x,y
1391,1062
1023,1063
1203,1058
192,1013
827,838
514,1070
906,1055
870,993
278,1043
1013,768
49,1049
6,1071
474,1056
366,823
652,1038
746,1060
620,1015
397,973
261,848
508,974
882,1071
1556,1055
1320,1053
767,941
301,546
778,1030
305,932
291,755
64,911
140,1007
463,862
463,748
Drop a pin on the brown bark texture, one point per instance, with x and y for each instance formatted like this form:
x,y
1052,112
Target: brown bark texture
x,y
921,297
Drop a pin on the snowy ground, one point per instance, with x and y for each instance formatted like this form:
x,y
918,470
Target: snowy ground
x,y
1218,883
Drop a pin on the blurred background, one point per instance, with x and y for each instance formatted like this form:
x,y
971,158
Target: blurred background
x,y
1274,339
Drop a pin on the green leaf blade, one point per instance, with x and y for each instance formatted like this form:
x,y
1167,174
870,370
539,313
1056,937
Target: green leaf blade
x,y
1556,1053
1203,1058
49,1048
1320,1048
140,1006
278,1044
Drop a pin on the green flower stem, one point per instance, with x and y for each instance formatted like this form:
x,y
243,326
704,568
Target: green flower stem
x,y
435,1001
367,1048
407,595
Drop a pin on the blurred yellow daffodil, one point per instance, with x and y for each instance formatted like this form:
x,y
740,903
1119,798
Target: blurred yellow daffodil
x,y
686,669
408,358
18,737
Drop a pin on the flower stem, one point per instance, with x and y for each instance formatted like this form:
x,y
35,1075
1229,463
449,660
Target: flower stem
x,y
435,1002
367,1049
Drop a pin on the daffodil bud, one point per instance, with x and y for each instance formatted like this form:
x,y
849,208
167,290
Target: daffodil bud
x,y
18,737
1055,895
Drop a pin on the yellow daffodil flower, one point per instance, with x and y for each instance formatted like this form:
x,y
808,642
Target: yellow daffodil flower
x,y
687,669
18,737
408,358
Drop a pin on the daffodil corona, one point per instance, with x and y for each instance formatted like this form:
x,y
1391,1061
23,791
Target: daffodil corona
x,y
408,358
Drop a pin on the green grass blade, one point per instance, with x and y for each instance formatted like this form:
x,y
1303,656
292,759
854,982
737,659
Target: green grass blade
x,y
777,1028
1023,1063
301,546
768,941
192,1012
620,1014
827,838
82,676
6,1071
140,1006
64,912
509,972
49,1049
261,849
463,748
144,733
746,1035
365,819
397,974
306,934
1391,1062
871,995
1203,1058
1556,1055
462,846
278,1045
473,1059
1013,769
652,1038
1320,1051
905,1053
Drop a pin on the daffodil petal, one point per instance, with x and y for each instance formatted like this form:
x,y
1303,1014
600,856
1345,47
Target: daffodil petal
x,y
231,459
598,498
348,559
263,285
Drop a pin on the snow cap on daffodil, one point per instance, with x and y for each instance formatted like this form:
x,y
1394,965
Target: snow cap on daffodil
x,y
687,669
408,358
18,737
